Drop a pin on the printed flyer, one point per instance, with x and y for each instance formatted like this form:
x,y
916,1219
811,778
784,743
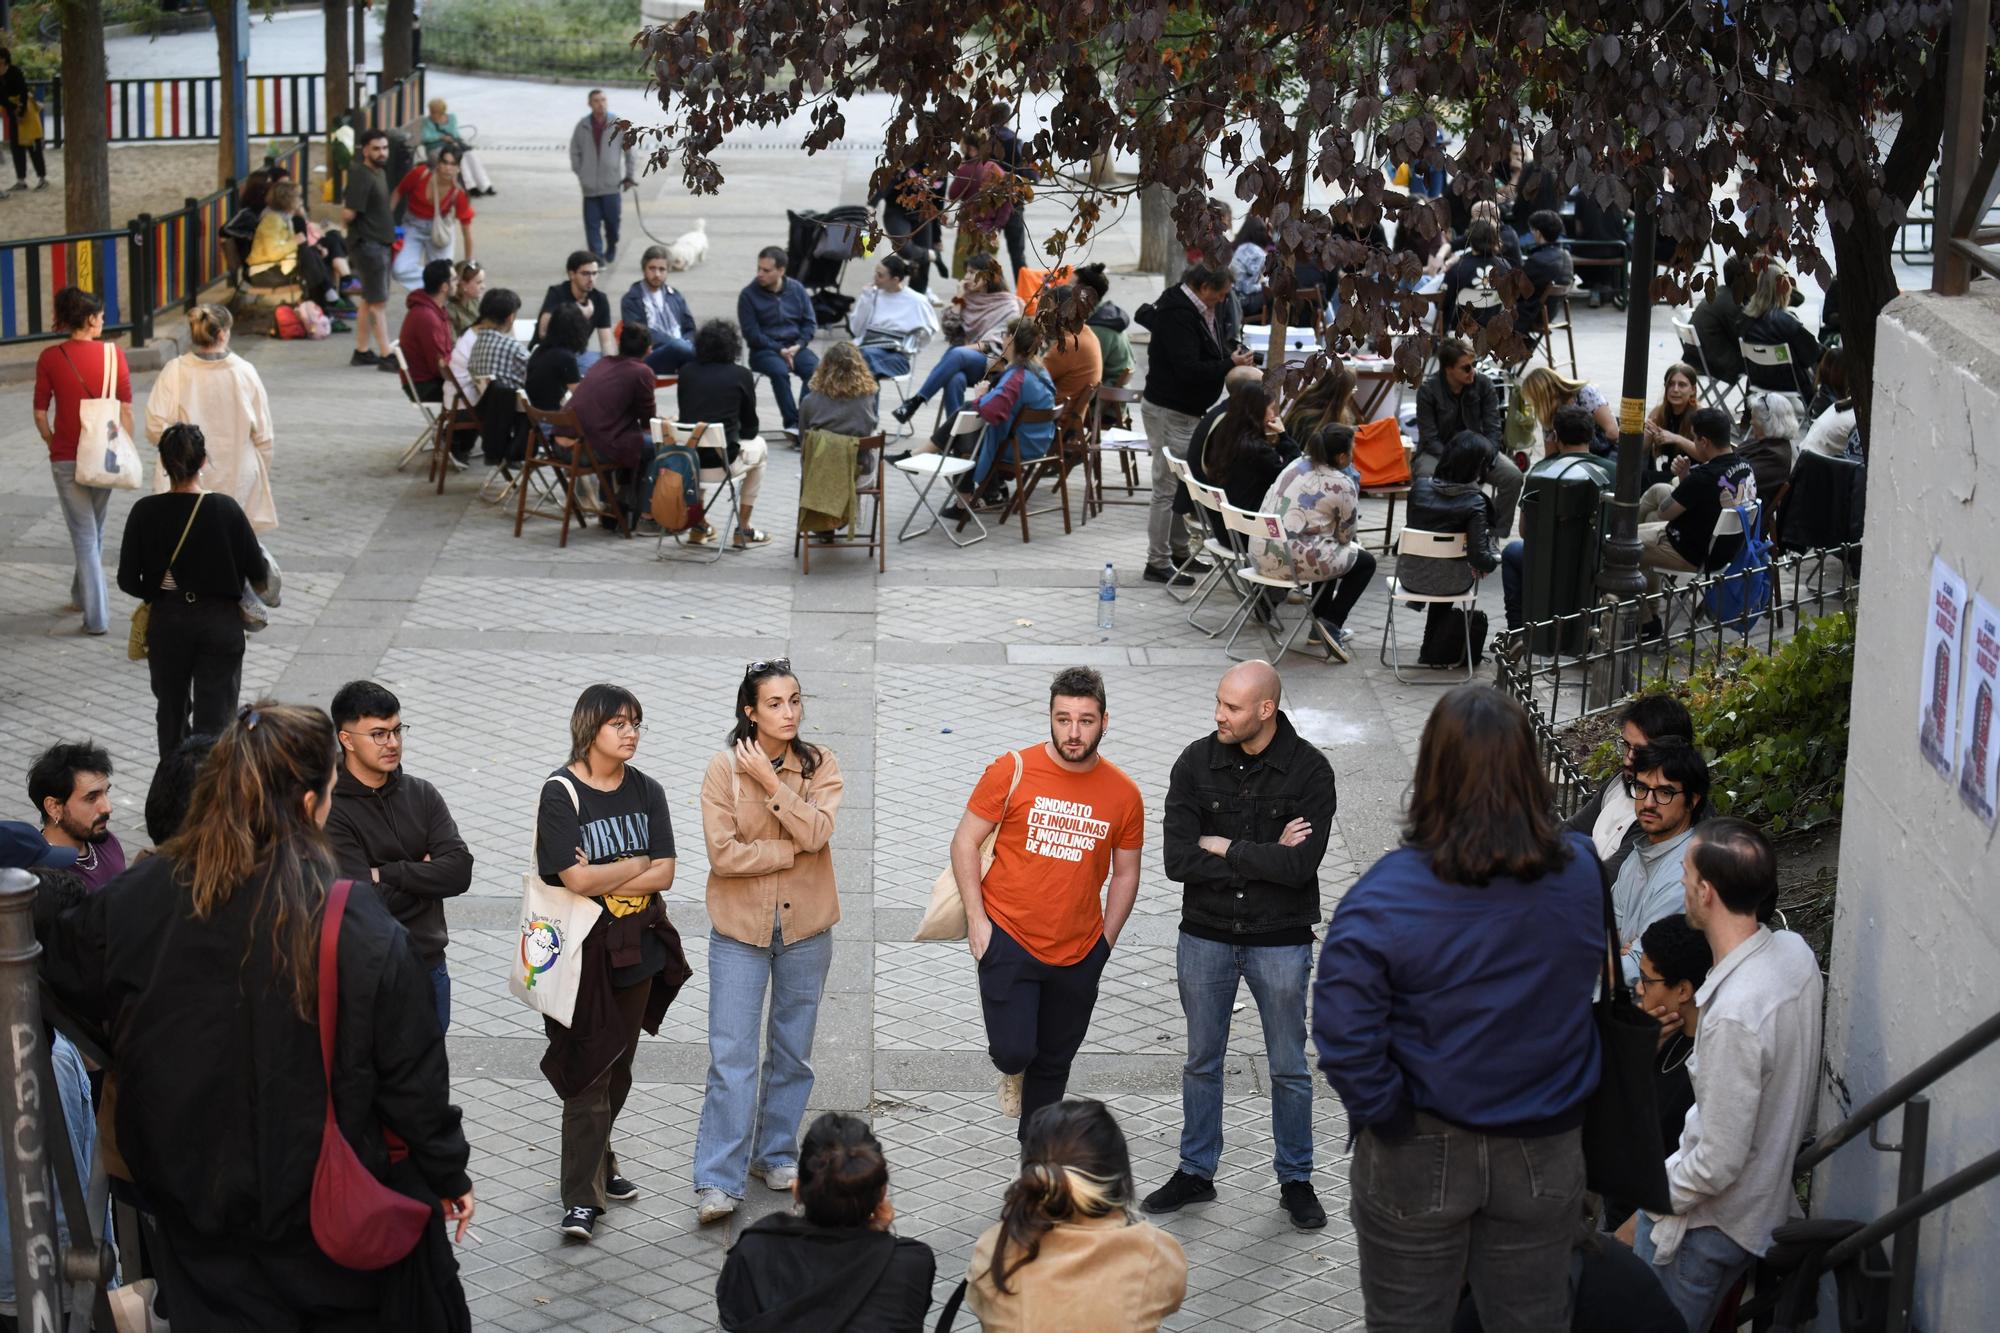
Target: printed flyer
x,y
1937,702
1982,682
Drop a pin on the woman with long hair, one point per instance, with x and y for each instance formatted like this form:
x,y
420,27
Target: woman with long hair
x,y
1327,401
212,386
1245,449
202,962
468,288
768,803
832,1264
986,305
1667,432
1768,320
603,831
1023,384
1546,391
1468,1153
66,373
1067,1252
1073,358
841,397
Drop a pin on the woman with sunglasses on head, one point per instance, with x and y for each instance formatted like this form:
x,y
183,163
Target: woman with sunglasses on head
x,y
768,803
603,831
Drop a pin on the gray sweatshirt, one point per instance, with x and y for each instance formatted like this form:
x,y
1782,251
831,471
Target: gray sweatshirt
x,y
601,167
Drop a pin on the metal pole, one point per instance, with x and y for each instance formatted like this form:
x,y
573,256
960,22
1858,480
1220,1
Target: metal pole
x,y
24,1100
239,82
1618,576
1909,1184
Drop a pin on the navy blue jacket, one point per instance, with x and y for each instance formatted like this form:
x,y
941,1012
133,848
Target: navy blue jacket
x,y
772,321
632,309
1471,1003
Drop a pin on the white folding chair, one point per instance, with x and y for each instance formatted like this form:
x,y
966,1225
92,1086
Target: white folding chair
x,y
1770,367
427,437
1431,546
1725,394
1259,532
698,435
901,384
1198,535
1224,556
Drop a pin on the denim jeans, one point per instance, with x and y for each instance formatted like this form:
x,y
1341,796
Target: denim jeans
x,y
772,367
988,453
601,211
957,368
886,362
1701,1272
441,992
747,1120
669,355
83,511
1445,1206
1280,981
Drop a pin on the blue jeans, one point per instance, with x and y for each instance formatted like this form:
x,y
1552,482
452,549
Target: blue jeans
x,y
1513,565
988,453
441,993
958,367
742,1123
669,355
601,211
772,367
83,510
1701,1272
1280,981
886,362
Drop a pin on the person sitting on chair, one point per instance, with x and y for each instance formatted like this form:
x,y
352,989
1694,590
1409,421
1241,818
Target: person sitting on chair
x,y
842,401
987,307
890,321
439,130
615,405
717,388
1768,321
653,302
778,323
1677,519
1023,386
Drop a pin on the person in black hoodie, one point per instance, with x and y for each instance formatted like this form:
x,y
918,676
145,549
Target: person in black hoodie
x,y
202,963
393,830
837,1268
1184,369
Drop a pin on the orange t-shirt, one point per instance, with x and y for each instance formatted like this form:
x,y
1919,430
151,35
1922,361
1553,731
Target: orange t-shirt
x,y
1053,851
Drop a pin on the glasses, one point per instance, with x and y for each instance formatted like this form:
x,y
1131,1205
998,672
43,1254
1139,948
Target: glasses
x,y
1661,795
383,735
624,725
1642,981
1620,744
586,273
777,666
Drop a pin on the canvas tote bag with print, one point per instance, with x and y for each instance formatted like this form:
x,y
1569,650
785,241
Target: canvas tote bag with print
x,y
547,965
105,455
945,918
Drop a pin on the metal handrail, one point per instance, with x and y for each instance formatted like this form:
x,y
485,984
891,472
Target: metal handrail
x,y
1930,1071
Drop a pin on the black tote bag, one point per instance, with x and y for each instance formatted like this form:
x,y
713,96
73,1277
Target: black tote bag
x,y
1621,1122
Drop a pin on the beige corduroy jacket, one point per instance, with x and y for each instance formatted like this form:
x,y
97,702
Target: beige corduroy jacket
x,y
768,858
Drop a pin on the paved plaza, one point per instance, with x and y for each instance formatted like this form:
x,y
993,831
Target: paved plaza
x,y
916,678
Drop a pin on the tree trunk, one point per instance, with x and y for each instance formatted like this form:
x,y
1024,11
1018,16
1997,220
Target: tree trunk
x,y
1160,248
223,12
86,161
358,51
339,66
398,46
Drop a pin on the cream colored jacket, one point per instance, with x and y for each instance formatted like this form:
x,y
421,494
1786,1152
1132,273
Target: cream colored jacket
x,y
1105,1275
226,399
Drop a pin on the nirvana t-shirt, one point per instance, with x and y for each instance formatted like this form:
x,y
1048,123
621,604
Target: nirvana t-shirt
x,y
1053,851
1726,479
606,826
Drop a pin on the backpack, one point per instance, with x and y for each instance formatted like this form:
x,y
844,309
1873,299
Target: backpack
x,y
314,320
1743,589
287,323
676,500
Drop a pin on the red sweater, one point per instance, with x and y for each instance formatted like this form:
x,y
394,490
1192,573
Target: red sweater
x,y
68,373
426,336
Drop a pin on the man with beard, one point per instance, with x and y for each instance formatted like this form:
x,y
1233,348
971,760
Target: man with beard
x,y
1061,818
71,788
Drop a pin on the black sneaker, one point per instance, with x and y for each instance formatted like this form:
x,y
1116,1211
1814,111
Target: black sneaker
x,y
1181,1190
1165,574
580,1222
1298,1199
619,1188
911,406
361,358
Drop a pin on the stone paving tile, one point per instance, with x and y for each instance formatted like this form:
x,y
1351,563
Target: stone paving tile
x,y
927,999
681,607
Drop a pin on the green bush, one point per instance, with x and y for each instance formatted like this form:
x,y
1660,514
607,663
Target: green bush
x,y
581,39
1774,726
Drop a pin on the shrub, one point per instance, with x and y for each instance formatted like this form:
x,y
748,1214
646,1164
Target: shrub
x,y
1774,726
581,39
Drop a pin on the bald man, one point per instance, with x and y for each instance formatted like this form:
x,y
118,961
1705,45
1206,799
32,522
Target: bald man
x,y
1249,807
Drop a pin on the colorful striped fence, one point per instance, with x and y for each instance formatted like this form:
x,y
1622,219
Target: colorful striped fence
x,y
163,110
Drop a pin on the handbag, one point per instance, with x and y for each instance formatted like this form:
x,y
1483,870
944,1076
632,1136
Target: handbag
x,y
944,919
547,967
105,455
440,238
1621,1121
142,618
357,1220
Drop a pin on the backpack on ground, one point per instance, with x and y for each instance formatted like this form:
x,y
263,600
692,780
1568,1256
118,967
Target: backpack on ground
x,y
1743,588
287,323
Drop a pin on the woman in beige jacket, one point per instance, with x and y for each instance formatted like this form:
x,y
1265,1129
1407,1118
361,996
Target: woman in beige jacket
x,y
1067,1254
767,811
217,390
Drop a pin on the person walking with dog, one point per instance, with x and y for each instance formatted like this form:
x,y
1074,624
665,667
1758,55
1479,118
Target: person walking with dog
x,y
1062,818
604,165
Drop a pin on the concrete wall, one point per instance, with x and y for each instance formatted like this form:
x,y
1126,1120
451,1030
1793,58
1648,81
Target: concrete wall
x,y
1916,946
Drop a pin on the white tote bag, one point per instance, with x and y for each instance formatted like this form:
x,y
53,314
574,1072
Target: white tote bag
x,y
944,919
105,455
547,965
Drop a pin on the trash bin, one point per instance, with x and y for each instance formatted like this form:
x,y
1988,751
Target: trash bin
x,y
1561,522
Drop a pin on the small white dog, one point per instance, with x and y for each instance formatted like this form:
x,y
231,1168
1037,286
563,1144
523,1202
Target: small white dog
x,y
689,248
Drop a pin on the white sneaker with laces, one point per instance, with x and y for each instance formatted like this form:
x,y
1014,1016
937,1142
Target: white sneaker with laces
x,y
1010,1095
776,1177
713,1206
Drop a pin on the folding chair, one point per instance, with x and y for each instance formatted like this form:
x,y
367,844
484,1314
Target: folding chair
x,y
1269,529
901,384
1728,523
428,411
1197,529
1130,445
461,413
876,536
1026,474
696,435
1770,367
1225,557
570,463
1725,394
1432,546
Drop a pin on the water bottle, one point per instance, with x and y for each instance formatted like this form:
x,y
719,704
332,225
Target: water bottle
x,y
1107,596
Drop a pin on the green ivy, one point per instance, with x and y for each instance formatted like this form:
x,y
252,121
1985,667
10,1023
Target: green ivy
x,y
1774,726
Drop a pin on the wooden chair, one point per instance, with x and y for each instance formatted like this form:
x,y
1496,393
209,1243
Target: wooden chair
x,y
1027,473
1550,328
427,435
460,413
545,453
875,536
1130,445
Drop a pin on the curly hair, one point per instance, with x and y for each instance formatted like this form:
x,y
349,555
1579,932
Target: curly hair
x,y
843,374
718,343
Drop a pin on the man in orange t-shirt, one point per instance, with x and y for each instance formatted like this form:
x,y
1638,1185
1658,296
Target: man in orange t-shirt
x,y
1035,922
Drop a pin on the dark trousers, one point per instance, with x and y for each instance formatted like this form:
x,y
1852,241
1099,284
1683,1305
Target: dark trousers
x,y
1036,1016
241,1292
601,214
587,1118
1513,569
194,654
1336,597
1016,232
22,154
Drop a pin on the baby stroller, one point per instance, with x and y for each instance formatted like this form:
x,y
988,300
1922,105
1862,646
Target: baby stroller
x,y
817,252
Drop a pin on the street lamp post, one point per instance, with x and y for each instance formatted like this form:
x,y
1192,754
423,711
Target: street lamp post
x,y
1618,575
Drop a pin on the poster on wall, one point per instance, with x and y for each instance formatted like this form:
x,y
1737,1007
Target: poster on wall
x,y
1976,785
1937,704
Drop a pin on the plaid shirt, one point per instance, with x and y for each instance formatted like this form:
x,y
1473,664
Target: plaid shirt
x,y
498,355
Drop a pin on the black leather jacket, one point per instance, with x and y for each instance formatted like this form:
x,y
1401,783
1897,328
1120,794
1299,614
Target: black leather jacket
x,y
1259,886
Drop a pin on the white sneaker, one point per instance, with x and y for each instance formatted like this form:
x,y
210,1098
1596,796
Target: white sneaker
x,y
713,1206
776,1177
1010,1095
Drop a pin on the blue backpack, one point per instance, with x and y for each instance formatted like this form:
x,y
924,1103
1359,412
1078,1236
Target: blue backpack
x,y
675,502
1743,588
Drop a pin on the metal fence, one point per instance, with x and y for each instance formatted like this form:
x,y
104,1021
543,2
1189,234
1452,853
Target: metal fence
x,y
1573,666
169,110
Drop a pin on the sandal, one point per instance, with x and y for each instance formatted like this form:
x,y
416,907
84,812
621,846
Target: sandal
x,y
748,537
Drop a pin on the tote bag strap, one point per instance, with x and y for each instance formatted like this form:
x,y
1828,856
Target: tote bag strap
x,y
1611,984
110,370
329,979
986,848
185,531
535,837
949,1315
